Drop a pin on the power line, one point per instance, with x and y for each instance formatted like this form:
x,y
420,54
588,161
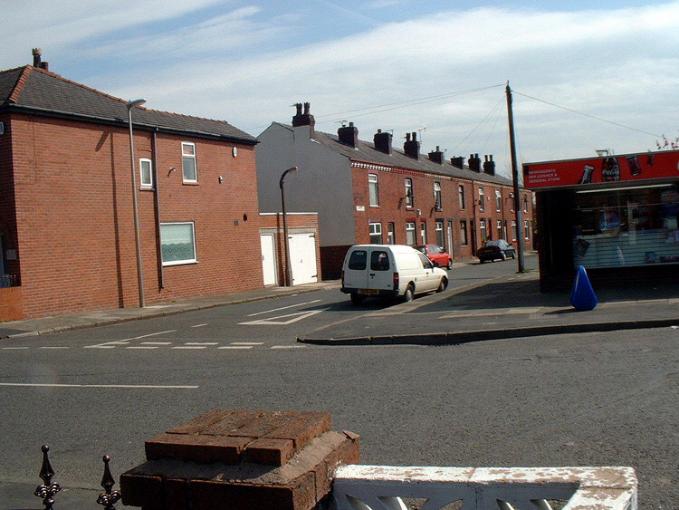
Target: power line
x,y
588,115
370,110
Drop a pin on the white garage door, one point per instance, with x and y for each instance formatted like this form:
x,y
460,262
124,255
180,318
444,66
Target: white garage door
x,y
303,258
268,259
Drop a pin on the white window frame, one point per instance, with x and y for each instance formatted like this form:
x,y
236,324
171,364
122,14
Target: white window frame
x,y
391,233
438,198
482,231
423,232
511,200
438,231
373,184
513,230
142,184
411,227
460,196
375,229
463,233
482,200
195,162
410,194
526,231
499,229
194,260
498,200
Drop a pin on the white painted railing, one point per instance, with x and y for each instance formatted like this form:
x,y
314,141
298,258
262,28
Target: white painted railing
x,y
359,487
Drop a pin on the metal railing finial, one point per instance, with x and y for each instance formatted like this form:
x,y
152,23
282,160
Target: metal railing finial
x,y
48,489
109,497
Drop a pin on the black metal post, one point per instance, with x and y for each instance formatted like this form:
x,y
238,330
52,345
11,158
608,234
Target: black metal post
x,y
285,226
109,497
515,179
48,489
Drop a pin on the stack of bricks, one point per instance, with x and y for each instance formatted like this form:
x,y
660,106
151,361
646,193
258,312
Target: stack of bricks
x,y
235,460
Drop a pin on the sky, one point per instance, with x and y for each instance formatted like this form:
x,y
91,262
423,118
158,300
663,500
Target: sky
x,y
583,78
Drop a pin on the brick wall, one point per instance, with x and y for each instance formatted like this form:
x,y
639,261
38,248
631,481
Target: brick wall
x,y
392,208
75,216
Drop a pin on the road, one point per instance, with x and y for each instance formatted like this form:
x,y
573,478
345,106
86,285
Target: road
x,y
604,399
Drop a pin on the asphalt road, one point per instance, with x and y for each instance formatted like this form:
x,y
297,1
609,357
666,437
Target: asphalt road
x,y
604,399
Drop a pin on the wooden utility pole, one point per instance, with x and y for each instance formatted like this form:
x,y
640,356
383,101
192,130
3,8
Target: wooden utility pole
x,y
515,179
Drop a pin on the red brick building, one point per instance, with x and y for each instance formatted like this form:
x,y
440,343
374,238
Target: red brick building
x,y
67,231
371,192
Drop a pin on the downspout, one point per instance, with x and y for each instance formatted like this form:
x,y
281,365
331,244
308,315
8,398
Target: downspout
x,y
156,207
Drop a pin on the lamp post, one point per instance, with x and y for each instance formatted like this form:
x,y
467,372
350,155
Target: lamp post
x,y
140,271
285,226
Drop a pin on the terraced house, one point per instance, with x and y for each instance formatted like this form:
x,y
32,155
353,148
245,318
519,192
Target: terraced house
x,y
374,193
67,229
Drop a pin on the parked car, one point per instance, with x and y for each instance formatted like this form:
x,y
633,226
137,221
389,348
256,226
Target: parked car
x,y
493,250
389,270
438,256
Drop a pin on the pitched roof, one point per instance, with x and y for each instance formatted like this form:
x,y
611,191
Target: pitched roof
x,y
366,152
41,91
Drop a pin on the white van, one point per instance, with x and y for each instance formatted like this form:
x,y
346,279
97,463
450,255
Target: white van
x,y
389,270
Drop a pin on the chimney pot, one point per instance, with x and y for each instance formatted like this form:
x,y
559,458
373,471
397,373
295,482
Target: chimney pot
x,y
37,53
348,135
412,147
304,119
307,107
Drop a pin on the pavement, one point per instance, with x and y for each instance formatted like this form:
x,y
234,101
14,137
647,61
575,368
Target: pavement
x,y
508,306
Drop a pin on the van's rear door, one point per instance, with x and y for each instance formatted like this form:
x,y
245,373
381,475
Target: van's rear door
x,y
356,269
380,270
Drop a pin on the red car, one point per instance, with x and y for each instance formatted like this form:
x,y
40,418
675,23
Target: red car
x,y
438,256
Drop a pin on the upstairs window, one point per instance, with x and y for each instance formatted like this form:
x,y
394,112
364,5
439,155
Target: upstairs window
x,y
460,195
410,199
146,173
437,196
373,190
482,200
189,168
498,200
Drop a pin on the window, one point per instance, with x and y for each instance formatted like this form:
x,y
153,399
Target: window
x,y
484,234
526,229
498,200
513,230
460,195
423,232
438,205
391,234
525,203
499,229
358,259
482,202
375,233
379,261
426,263
177,243
410,199
373,190
189,170
410,233
146,173
511,197
463,233
439,233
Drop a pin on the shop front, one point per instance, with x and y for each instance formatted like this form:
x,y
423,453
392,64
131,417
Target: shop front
x,y
616,215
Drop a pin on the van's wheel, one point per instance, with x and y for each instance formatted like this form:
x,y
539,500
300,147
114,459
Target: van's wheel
x,y
356,299
443,285
409,293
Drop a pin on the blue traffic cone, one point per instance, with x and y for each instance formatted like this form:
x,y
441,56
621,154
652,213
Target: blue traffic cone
x,y
583,296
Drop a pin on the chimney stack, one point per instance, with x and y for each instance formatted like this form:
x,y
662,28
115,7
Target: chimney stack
x,y
457,162
411,147
474,162
304,119
348,135
382,142
489,165
436,156
37,53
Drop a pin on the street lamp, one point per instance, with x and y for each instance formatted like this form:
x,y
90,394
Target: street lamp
x,y
285,226
140,271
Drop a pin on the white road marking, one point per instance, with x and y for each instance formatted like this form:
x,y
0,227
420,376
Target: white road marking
x,y
144,347
289,346
154,334
131,386
297,316
284,308
14,348
246,343
199,325
235,347
54,347
156,343
201,343
100,346
186,347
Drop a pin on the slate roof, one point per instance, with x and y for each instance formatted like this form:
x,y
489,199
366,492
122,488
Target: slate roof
x,y
366,152
35,90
